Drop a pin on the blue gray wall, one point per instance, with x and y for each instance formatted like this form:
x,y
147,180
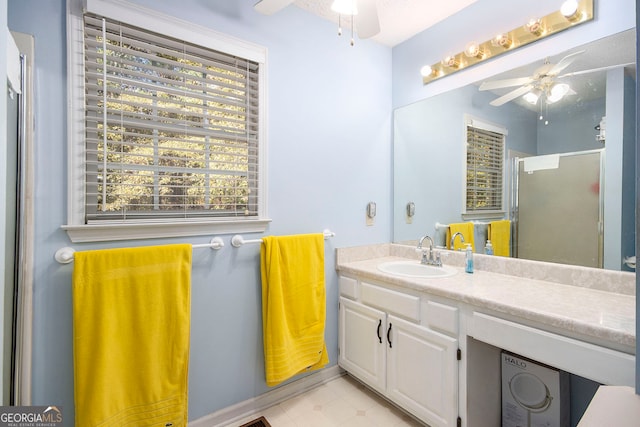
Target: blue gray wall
x,y
330,109
571,129
329,112
429,140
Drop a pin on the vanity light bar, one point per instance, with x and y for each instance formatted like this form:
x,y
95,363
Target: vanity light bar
x,y
572,13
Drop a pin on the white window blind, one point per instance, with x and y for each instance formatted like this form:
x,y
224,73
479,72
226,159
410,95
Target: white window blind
x,y
171,127
485,160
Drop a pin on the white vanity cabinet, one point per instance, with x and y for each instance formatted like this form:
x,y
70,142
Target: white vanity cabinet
x,y
579,321
362,344
383,343
422,372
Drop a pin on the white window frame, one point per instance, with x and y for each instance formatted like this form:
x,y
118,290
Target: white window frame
x,y
154,21
493,127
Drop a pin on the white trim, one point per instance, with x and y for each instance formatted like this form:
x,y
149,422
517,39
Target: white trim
x,y
483,124
229,416
13,63
24,336
75,118
483,215
151,20
594,362
154,230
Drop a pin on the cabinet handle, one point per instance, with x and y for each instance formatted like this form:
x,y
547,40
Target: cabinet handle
x,y
379,325
389,335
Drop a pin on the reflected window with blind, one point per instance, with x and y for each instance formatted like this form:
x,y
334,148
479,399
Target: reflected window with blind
x,y
485,167
171,128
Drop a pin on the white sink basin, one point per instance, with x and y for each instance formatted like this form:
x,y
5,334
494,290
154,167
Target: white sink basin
x,y
415,269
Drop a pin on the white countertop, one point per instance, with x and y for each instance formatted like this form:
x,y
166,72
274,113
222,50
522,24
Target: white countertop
x,y
599,316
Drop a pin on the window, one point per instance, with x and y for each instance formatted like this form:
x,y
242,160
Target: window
x,y
170,131
485,168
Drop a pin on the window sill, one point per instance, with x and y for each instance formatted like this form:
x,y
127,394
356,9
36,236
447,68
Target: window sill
x,y
156,230
483,215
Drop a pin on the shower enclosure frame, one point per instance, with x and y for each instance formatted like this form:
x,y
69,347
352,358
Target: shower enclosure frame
x,y
514,211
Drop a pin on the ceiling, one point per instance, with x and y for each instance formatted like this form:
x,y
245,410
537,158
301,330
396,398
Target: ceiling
x,y
399,19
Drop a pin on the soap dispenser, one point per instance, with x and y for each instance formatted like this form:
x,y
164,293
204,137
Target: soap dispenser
x,y
468,257
488,248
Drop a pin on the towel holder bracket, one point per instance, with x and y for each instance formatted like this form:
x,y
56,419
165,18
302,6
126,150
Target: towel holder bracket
x,y
237,240
65,255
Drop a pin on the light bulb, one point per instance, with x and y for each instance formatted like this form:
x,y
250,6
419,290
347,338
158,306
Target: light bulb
x,y
502,40
451,61
427,71
557,91
531,98
534,26
473,50
569,10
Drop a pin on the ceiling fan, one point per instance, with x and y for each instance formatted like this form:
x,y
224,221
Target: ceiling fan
x,y
543,82
366,11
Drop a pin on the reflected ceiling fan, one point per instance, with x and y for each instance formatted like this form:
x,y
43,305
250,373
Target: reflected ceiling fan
x,y
543,82
366,12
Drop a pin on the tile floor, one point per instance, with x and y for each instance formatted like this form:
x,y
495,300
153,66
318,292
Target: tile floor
x,y
342,402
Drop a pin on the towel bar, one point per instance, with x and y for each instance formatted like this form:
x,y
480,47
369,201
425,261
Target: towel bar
x,y
65,255
238,240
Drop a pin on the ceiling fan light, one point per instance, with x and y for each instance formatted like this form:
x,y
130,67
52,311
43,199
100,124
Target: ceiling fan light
x,y
531,97
557,91
569,10
345,7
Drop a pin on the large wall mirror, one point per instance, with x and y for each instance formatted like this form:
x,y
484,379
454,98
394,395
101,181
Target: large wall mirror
x,y
594,117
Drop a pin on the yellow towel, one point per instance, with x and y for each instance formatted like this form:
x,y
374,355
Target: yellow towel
x,y
499,232
293,305
131,311
466,228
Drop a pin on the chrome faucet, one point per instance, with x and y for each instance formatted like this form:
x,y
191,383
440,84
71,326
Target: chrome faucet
x,y
453,239
429,260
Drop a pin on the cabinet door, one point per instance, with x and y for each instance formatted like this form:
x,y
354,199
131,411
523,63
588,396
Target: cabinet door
x,y
422,372
362,343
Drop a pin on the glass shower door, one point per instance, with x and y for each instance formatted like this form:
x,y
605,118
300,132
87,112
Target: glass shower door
x,y
559,214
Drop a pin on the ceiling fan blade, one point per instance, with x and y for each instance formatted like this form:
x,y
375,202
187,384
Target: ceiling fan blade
x,y
367,19
269,7
499,84
564,63
511,95
595,70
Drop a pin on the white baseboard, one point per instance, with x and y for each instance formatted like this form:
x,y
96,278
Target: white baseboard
x,y
227,416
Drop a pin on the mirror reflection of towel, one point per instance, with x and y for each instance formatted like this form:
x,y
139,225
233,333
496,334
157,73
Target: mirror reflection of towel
x,y
466,228
500,235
